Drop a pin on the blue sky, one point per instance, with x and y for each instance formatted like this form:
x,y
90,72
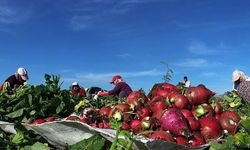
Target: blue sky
x,y
89,41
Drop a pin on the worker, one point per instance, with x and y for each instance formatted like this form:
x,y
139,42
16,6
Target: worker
x,y
241,84
76,89
17,79
186,82
121,89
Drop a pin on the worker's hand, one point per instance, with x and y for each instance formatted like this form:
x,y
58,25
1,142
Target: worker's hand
x,y
103,93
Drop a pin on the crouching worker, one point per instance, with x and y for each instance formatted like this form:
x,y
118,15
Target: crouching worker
x,y
76,89
121,89
17,79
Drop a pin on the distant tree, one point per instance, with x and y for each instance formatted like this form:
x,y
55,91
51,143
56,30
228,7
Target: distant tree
x,y
167,77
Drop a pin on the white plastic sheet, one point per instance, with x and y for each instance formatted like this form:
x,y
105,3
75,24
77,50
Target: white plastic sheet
x,y
63,133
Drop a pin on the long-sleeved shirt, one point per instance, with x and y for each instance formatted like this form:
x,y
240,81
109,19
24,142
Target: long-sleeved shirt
x,y
121,88
13,81
187,83
80,92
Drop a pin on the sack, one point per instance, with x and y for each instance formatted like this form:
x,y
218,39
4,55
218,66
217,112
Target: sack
x,y
62,133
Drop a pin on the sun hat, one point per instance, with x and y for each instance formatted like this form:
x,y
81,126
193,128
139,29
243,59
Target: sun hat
x,y
23,73
115,78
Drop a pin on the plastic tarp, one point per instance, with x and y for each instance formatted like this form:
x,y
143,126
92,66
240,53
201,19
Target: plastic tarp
x,y
63,133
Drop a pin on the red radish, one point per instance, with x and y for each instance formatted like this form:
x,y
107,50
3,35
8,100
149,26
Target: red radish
x,y
89,112
84,120
210,128
135,126
162,135
229,121
198,95
198,140
49,119
158,105
157,114
187,113
125,126
104,110
156,98
170,88
162,93
181,140
174,121
228,124
179,101
143,112
118,112
39,121
100,125
123,107
232,115
194,123
217,116
73,118
106,125
165,93
155,119
136,99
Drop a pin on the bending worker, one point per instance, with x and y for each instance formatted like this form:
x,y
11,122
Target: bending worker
x,y
241,84
121,89
17,79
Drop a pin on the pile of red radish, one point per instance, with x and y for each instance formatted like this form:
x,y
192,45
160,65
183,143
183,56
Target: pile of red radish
x,y
187,119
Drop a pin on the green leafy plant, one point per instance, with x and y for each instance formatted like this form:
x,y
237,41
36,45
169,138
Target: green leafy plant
x,y
30,102
123,139
167,77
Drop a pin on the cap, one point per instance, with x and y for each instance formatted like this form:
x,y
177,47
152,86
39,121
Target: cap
x,y
23,73
115,78
75,83
236,75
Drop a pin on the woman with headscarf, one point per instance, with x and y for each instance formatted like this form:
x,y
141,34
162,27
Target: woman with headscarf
x,y
121,89
241,84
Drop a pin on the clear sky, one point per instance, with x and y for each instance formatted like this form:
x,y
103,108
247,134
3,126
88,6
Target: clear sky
x,y
89,41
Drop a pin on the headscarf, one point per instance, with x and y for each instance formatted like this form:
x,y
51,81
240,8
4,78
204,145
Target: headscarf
x,y
237,74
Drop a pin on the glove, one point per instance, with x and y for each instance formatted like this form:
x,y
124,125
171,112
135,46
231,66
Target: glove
x,y
103,93
95,97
